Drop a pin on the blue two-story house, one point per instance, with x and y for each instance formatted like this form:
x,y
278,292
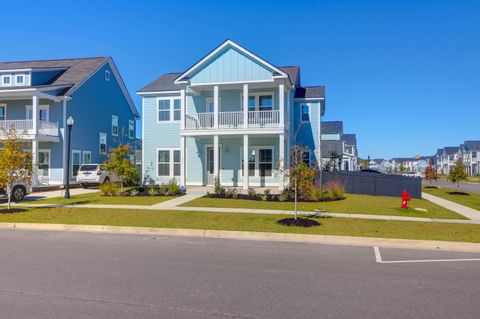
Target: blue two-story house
x,y
233,115
37,97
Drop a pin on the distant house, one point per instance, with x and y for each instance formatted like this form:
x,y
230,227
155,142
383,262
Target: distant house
x,y
37,97
446,158
470,154
339,147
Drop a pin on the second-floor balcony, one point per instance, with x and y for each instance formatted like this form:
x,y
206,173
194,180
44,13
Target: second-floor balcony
x,y
25,128
233,120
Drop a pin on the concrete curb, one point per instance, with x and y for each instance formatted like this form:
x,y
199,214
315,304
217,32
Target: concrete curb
x,y
246,235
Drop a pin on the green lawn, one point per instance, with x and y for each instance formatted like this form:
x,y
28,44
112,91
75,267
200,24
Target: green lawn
x,y
471,200
97,198
353,204
245,222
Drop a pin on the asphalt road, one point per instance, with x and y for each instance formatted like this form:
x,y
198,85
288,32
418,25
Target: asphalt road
x,y
81,275
467,187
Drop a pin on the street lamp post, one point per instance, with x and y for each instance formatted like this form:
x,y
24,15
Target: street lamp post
x,y
67,180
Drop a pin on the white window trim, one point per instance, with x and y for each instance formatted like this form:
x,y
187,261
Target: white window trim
x,y
83,157
49,159
257,99
131,124
99,143
24,79
4,105
44,107
115,116
71,162
6,76
171,163
257,160
171,110
107,75
309,112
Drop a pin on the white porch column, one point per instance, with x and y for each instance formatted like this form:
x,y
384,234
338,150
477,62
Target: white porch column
x,y
35,162
183,158
64,142
216,150
182,109
245,106
35,114
215,106
281,160
245,161
281,102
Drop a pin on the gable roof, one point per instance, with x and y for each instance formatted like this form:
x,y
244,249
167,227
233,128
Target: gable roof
x,y
472,146
76,70
310,92
72,73
163,83
293,73
228,43
450,150
332,127
350,139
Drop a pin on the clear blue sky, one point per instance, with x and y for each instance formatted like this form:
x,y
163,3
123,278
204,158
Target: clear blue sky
x,y
403,75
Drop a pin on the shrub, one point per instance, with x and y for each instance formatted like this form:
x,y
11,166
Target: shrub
x,y
109,189
218,189
134,192
305,176
266,195
336,190
284,195
152,189
253,194
317,194
173,188
234,193
162,190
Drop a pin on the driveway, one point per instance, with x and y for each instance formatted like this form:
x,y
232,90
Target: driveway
x,y
466,187
83,275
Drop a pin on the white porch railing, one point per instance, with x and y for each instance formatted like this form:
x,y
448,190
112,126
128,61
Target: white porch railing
x,y
25,127
263,118
232,120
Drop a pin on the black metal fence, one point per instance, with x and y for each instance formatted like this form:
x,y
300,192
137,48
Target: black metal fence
x,y
376,184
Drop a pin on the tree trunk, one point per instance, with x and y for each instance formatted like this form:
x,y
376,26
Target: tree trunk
x,y
9,197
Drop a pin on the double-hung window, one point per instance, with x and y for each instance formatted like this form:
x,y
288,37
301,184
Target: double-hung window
x,y
163,163
131,129
6,80
306,158
260,162
163,110
86,157
169,162
76,161
102,143
114,125
265,102
265,162
177,109
19,79
305,112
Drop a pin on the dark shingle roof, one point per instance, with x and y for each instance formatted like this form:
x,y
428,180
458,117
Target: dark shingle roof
x,y
350,139
332,127
331,147
163,83
472,145
450,150
293,73
77,70
439,151
310,92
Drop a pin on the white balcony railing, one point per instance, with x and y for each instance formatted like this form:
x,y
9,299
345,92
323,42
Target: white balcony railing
x,y
25,127
232,120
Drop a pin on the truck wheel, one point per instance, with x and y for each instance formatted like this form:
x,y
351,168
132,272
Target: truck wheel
x,y
18,193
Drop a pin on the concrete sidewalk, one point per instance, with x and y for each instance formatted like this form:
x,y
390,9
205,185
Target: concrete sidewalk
x,y
468,212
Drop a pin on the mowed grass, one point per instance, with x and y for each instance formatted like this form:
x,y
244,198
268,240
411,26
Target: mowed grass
x,y
245,222
97,198
471,200
353,204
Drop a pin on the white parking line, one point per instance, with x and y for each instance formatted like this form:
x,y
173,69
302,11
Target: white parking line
x,y
378,259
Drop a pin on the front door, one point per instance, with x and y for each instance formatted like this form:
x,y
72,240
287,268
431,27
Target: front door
x,y
210,167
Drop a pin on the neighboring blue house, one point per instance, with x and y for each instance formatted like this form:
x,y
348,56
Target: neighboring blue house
x,y
198,125
37,97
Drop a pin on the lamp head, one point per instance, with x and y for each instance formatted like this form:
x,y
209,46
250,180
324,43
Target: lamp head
x,y
70,121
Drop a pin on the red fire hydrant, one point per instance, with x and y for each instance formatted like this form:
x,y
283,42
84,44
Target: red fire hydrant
x,y
405,199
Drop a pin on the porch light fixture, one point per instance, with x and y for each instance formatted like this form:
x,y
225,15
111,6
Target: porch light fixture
x,y
67,179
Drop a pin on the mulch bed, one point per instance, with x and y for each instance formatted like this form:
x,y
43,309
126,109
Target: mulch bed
x,y
300,222
12,211
273,198
459,193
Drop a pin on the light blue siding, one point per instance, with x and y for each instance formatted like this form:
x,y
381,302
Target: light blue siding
x,y
231,65
308,133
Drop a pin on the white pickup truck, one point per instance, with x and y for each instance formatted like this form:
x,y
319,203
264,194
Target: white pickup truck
x,y
94,175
